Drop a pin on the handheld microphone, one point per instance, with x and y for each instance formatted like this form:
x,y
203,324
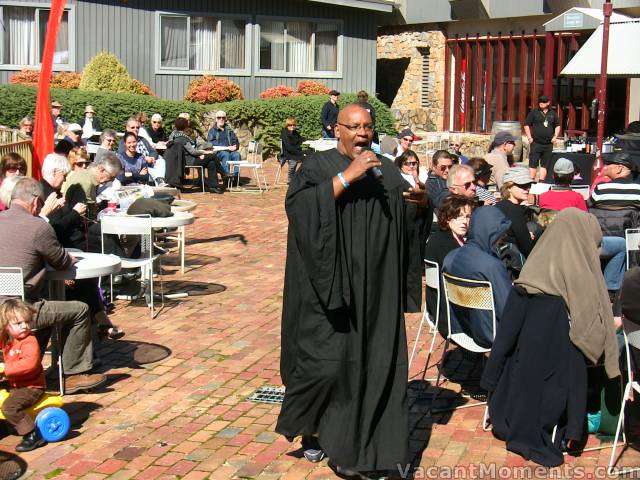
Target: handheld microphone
x,y
375,172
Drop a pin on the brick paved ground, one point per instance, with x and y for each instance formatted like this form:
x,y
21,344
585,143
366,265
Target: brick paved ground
x,y
187,416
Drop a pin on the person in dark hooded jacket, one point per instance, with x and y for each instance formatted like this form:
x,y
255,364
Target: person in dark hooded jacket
x,y
478,260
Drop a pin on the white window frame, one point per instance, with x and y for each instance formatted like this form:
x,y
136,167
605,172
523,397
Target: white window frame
x,y
238,72
260,72
71,19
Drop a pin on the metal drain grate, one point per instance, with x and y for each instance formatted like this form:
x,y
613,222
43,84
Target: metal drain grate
x,y
267,394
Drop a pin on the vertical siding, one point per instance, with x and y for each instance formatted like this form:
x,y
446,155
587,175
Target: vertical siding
x,y
128,31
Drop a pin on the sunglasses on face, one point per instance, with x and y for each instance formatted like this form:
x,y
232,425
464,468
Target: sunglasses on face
x,y
444,167
410,164
82,164
525,187
154,121
221,118
408,140
466,185
14,170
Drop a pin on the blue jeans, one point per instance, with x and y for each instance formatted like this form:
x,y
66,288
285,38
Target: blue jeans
x,y
224,156
614,251
327,133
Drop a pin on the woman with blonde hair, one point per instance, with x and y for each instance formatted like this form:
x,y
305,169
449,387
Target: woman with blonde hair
x,y
78,159
291,146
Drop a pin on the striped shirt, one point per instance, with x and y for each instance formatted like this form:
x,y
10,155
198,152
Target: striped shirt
x,y
484,194
619,193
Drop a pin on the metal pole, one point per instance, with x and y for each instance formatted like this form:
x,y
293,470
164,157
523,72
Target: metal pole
x,y
607,9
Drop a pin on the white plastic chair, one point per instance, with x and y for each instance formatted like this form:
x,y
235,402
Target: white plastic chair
x,y
200,173
583,190
473,295
632,242
253,162
432,278
139,225
12,285
632,339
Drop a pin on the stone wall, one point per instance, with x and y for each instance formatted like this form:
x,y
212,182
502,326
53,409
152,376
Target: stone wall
x,y
407,107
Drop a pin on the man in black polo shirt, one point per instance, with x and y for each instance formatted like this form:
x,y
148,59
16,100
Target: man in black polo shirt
x,y
542,127
329,114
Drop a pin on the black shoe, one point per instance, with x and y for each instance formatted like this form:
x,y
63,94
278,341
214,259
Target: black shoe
x,y
214,190
31,441
344,472
312,449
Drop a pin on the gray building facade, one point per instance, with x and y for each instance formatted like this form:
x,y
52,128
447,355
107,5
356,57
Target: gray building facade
x,y
256,43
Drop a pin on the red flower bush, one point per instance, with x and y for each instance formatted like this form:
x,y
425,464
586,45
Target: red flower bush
x,y
311,87
141,88
279,92
209,89
66,80
26,77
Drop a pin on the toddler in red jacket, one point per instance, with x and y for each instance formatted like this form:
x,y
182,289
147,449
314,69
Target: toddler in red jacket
x,y
22,369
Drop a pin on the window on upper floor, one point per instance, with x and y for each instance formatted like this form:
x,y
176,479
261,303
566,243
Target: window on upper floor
x,y
299,47
24,31
202,44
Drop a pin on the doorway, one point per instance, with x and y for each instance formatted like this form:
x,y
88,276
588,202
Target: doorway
x,y
389,77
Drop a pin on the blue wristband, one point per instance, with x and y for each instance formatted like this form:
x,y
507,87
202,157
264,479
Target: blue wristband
x,y
345,184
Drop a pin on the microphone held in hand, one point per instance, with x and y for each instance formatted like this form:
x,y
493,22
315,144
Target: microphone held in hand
x,y
375,172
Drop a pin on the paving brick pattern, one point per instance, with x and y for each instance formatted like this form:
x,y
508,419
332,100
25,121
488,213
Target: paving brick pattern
x,y
187,416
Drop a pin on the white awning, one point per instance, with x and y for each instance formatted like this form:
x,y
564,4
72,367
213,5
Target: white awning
x,y
377,5
624,53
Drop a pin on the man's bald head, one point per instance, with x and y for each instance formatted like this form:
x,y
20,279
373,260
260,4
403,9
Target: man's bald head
x,y
353,109
354,130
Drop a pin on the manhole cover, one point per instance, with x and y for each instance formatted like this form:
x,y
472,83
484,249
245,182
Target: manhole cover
x,y
11,466
131,353
268,394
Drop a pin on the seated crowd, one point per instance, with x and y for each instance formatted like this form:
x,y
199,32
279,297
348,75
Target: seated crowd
x,y
556,265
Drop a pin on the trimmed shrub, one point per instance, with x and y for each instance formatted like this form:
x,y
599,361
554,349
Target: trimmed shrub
x,y
311,87
66,80
209,89
140,88
264,117
279,92
104,72
114,109
25,77
31,78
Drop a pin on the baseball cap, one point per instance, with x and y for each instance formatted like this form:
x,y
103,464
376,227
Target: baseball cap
x,y
564,166
334,92
517,175
74,127
407,132
619,158
543,99
503,137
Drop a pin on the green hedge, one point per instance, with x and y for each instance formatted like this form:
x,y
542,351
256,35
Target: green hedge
x,y
264,117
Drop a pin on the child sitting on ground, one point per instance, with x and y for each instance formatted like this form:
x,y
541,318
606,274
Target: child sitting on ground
x,y
22,369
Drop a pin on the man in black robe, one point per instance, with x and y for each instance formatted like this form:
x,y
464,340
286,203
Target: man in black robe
x,y
344,349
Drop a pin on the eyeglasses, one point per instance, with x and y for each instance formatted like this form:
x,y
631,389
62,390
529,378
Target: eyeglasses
x,y
137,127
444,167
368,127
408,140
14,170
155,121
410,164
466,185
457,145
82,164
510,142
221,118
526,186
110,140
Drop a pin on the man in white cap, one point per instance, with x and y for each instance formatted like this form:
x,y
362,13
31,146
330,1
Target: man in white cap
x,y
73,134
562,196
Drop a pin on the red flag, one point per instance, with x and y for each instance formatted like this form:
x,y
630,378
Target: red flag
x,y
43,126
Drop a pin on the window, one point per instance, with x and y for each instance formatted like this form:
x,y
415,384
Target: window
x,y
300,47
202,44
24,34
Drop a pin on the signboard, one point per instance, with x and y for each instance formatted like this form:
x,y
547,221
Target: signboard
x,y
573,20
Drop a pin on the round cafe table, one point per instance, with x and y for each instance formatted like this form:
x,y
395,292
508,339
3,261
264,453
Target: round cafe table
x,y
89,265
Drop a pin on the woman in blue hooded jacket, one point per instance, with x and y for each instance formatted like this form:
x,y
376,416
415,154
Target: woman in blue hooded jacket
x,y
478,260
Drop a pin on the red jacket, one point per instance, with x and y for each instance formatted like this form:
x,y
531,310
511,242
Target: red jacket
x,y
22,365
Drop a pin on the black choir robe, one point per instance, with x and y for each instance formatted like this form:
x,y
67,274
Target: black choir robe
x,y
344,348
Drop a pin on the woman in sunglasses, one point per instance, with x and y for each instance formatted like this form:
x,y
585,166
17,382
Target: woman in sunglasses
x,y
11,165
409,165
515,193
78,159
